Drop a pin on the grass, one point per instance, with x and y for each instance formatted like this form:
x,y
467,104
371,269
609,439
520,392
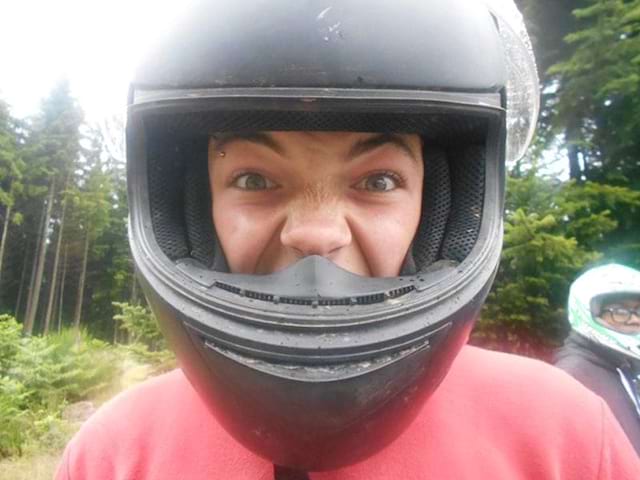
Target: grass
x,y
35,466
39,461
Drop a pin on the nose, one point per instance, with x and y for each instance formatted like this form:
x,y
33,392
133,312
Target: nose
x,y
315,229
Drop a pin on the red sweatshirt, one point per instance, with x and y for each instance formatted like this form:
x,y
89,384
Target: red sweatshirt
x,y
495,416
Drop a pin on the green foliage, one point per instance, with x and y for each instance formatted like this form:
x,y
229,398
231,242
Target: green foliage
x,y
54,368
148,345
141,325
92,198
39,376
11,164
17,218
111,269
156,361
552,231
14,417
599,99
10,331
53,146
48,432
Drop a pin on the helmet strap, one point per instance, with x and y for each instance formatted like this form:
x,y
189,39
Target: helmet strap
x,y
286,473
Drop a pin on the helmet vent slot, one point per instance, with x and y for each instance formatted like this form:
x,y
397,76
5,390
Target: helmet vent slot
x,y
314,302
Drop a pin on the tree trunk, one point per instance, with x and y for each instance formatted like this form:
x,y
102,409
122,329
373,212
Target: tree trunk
x,y
572,138
54,275
37,284
83,273
575,171
3,242
22,276
115,332
133,298
54,307
62,283
35,260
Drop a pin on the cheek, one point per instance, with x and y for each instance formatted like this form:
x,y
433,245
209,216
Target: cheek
x,y
384,233
626,329
244,232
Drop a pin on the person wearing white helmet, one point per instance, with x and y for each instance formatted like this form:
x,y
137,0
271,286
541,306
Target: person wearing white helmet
x,y
316,192
603,349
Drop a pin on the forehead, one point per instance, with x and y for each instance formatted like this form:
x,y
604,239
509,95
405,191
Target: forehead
x,y
347,143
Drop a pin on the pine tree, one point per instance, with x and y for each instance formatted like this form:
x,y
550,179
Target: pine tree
x,y
553,230
52,150
598,105
11,172
92,199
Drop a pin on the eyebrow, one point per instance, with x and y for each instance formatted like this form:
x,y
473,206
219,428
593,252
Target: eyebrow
x,y
369,144
360,148
259,138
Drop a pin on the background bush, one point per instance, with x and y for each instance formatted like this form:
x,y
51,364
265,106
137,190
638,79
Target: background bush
x,y
41,375
146,344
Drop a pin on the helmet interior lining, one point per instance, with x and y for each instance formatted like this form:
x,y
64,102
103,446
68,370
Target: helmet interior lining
x,y
180,197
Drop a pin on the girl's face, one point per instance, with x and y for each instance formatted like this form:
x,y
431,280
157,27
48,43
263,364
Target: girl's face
x,y
354,198
622,315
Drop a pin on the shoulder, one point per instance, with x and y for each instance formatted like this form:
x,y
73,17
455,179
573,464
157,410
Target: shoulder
x,y
533,412
147,402
579,355
507,417
525,384
158,429
105,442
570,358
596,376
504,370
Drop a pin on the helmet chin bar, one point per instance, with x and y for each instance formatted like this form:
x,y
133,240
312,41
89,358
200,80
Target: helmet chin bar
x,y
313,281
316,395
316,415
330,412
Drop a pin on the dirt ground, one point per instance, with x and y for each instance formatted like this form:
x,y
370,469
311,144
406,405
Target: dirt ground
x,y
37,467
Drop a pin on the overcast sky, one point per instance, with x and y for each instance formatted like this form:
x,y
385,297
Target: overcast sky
x,y
94,43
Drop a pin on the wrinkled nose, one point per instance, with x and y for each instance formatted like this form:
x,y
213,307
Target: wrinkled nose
x,y
316,230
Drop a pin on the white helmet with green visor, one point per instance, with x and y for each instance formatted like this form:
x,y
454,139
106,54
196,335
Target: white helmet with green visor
x,y
585,299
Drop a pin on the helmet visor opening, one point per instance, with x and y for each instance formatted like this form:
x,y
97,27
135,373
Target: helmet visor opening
x,y
455,145
462,194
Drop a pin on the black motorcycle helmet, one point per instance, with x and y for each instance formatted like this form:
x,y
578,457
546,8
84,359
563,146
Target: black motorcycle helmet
x,y
314,367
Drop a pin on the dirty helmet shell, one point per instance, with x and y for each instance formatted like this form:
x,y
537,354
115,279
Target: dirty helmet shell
x,y
313,367
586,296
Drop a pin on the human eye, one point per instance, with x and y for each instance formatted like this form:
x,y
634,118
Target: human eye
x,y
380,182
253,182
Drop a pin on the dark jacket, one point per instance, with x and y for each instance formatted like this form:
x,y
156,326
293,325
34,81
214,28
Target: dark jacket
x,y
599,368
